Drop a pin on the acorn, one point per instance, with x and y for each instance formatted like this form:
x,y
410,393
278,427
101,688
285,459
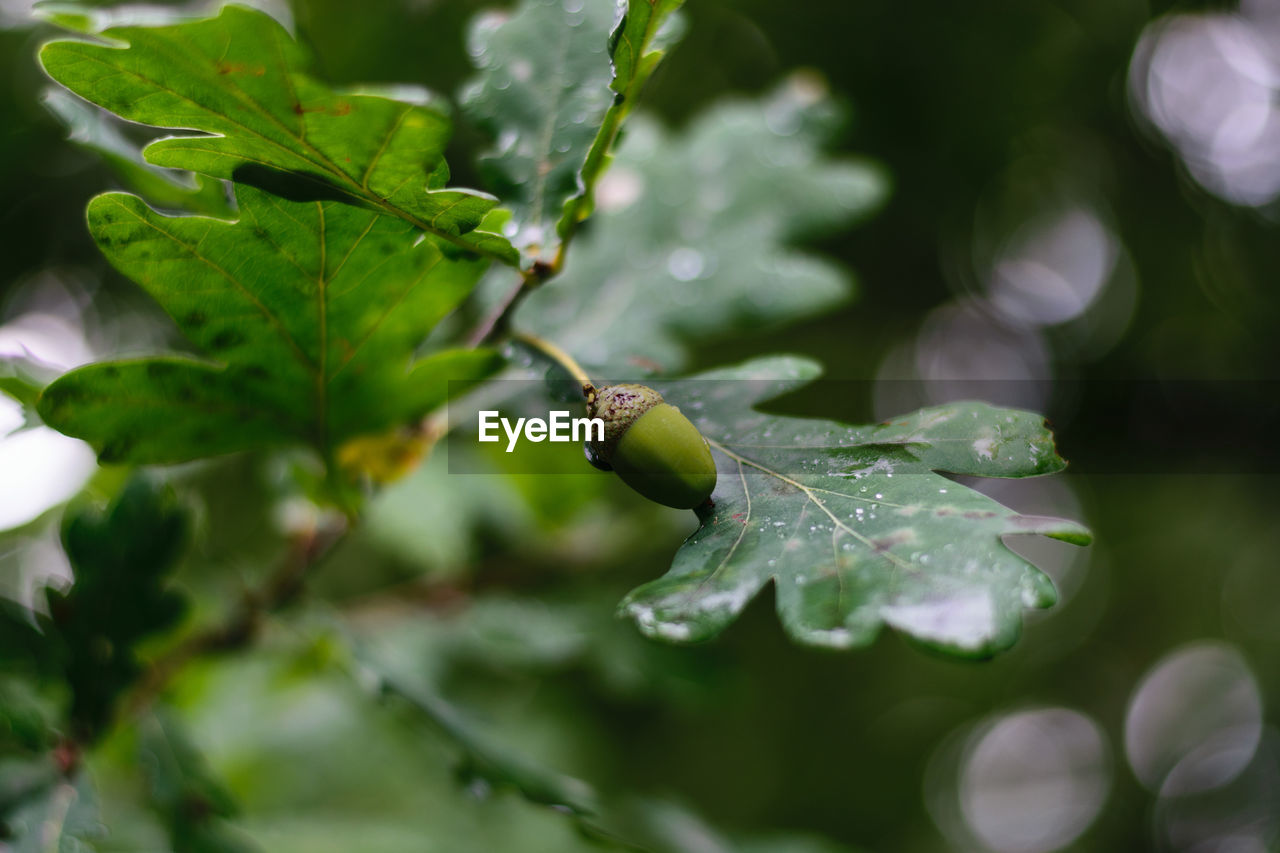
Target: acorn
x,y
654,448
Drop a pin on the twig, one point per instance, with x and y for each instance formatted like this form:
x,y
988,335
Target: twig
x,y
560,357
284,586
495,324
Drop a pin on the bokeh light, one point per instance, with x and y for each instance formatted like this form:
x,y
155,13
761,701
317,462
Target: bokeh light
x,y
1029,781
1207,82
1194,721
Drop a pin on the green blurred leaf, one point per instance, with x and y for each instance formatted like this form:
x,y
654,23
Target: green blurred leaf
x,y
18,382
690,235
24,647
313,309
317,767
852,524
60,815
240,78
191,803
121,558
647,28
93,128
22,378
25,784
28,712
542,92
668,826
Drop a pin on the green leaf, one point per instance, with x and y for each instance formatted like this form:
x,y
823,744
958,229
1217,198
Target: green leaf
x,y
638,42
313,310
22,378
853,524
646,30
23,646
192,804
320,767
669,826
542,92
240,79
94,129
121,558
56,815
691,232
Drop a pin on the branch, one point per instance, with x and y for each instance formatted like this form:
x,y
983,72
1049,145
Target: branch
x,y
306,550
549,350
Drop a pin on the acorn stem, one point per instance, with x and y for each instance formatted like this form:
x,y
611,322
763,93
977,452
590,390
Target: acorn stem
x,y
560,357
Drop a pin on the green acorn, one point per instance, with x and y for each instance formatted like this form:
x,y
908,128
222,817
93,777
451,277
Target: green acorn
x,y
653,447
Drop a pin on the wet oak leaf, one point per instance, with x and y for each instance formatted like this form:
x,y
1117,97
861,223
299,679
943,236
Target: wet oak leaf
x,y
240,80
693,231
310,313
636,46
638,42
854,525
541,92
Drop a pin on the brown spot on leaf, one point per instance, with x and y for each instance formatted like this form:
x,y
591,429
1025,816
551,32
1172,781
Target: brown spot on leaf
x,y
897,537
226,339
115,450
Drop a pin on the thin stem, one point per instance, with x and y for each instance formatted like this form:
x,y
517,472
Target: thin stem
x,y
559,356
592,169
284,586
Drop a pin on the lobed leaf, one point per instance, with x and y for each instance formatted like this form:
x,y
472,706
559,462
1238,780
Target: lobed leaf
x,y
313,311
638,42
854,525
240,80
541,92
690,238
121,558
93,129
645,30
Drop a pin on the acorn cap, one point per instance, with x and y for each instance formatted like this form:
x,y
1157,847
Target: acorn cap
x,y
619,406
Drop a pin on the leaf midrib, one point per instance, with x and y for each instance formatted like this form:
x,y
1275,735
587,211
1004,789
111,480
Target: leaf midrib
x,y
318,365
808,492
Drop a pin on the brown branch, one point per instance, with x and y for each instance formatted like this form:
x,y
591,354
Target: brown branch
x,y
306,549
494,326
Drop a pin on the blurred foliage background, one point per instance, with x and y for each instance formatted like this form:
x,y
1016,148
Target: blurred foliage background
x,y
1083,195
